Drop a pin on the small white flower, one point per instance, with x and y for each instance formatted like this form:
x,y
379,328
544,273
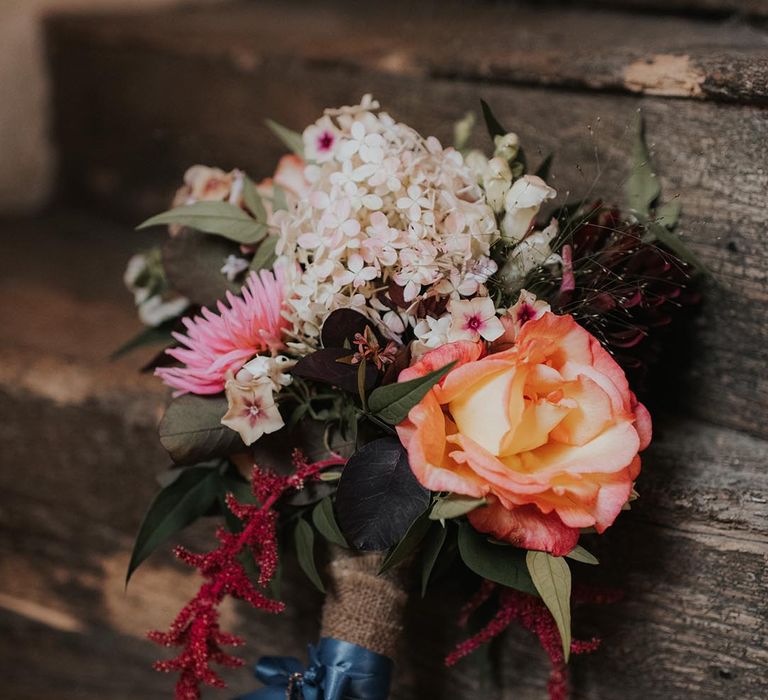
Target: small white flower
x,y
265,368
534,250
522,204
233,266
527,308
252,411
433,332
477,162
506,146
155,310
497,180
413,202
320,140
474,319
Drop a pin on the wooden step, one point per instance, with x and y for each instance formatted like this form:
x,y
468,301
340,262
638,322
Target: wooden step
x,y
141,97
77,469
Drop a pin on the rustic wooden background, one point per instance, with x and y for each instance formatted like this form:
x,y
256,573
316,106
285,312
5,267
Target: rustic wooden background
x,y
140,97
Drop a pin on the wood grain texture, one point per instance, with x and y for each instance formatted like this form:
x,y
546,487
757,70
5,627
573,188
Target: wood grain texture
x,y
509,43
122,108
77,471
691,558
698,8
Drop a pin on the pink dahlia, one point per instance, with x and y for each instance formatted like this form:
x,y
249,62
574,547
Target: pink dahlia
x,y
217,344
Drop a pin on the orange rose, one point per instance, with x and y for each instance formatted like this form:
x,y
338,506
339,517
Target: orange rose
x,y
548,431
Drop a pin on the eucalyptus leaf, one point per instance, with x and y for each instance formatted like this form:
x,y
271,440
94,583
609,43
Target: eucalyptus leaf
x,y
433,545
324,520
304,537
378,496
252,200
407,546
265,256
642,188
503,565
391,403
189,496
192,262
279,200
292,139
454,506
220,218
578,553
191,429
552,579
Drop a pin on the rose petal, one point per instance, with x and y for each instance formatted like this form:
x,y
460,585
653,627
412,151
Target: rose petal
x,y
525,526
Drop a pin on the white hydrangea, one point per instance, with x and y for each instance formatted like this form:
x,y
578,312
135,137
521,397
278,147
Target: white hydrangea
x,y
386,206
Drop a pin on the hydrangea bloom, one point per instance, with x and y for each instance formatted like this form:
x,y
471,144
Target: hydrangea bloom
x,y
386,207
217,345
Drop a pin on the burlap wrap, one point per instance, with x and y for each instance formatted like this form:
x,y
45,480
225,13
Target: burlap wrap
x,y
362,607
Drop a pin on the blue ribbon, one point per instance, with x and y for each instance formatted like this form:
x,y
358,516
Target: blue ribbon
x,y
337,670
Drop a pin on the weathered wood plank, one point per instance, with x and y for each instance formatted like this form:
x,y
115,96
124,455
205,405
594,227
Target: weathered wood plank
x,y
77,468
691,557
131,119
510,43
714,8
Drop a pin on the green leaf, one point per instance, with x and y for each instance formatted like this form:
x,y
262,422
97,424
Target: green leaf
x,y
642,188
546,165
290,138
325,521
185,499
252,200
392,402
192,263
265,257
330,476
552,579
191,429
406,546
432,547
504,565
305,550
578,553
672,241
220,218
669,214
279,200
492,124
453,506
152,335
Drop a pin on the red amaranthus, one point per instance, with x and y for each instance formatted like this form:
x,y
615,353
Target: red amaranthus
x,y
532,614
196,627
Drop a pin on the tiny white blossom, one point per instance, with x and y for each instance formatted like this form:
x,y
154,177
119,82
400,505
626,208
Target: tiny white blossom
x,y
522,203
534,250
474,319
233,266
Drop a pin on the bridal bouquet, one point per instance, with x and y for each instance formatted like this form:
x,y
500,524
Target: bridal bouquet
x,y
407,353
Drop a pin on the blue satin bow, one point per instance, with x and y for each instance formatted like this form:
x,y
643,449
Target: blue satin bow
x,y
337,670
